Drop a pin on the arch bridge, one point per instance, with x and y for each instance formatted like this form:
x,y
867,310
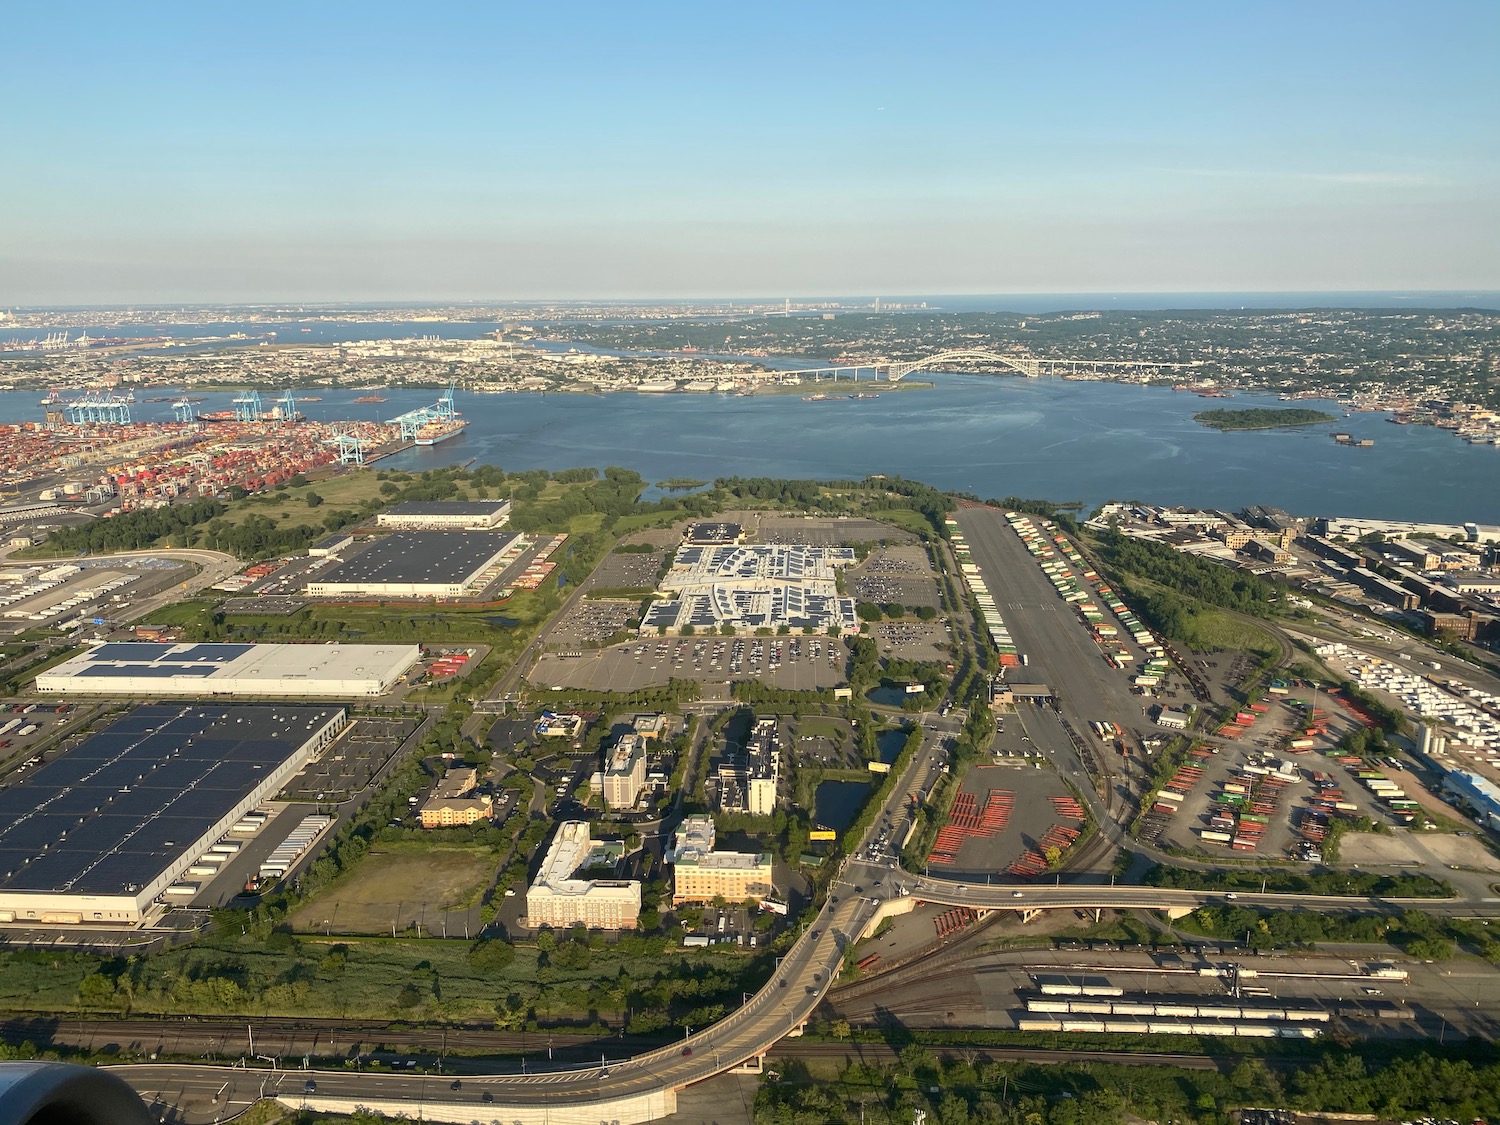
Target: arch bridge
x,y
1022,363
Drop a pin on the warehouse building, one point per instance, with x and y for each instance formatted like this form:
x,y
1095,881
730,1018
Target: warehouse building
x,y
421,564
97,836
559,897
143,670
1478,796
701,874
446,515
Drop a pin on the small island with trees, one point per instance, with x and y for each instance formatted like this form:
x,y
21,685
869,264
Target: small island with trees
x,y
1261,419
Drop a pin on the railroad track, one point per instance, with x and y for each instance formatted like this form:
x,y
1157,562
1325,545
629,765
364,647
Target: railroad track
x,y
471,1041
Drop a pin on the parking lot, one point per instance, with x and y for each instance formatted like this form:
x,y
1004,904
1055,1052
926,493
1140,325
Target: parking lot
x,y
910,639
591,622
27,728
819,531
267,605
895,575
825,742
791,663
348,764
629,570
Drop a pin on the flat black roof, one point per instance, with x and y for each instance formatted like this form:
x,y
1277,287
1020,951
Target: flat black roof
x,y
447,508
110,815
430,557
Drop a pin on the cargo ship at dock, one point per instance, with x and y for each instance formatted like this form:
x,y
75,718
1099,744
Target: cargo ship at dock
x,y
434,432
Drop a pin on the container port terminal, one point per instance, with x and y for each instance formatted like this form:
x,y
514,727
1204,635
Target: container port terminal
x,y
92,456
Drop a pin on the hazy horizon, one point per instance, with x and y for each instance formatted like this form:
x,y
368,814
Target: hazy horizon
x,y
949,302
327,153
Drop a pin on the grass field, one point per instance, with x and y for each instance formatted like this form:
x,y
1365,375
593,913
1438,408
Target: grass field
x,y
375,977
823,727
399,886
289,506
907,518
1213,631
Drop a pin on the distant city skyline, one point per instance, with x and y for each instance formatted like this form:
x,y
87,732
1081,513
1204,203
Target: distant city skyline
x,y
595,152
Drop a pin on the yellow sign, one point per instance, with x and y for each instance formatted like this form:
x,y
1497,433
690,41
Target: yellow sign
x,y
822,834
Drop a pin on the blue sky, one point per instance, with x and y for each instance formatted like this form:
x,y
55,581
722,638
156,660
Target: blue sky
x,y
504,150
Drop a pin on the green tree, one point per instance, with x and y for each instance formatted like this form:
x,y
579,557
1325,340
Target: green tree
x,y
491,955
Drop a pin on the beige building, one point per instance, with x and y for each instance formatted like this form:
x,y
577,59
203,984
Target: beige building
x,y
451,812
700,874
1171,719
457,781
558,898
451,802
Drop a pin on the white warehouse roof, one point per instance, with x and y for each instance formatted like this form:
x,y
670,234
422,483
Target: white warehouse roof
x,y
145,670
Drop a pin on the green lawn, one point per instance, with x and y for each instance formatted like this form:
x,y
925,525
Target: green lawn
x,y
1212,630
907,518
822,726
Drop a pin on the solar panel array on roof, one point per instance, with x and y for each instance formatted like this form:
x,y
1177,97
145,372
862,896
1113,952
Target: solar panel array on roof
x,y
151,671
110,815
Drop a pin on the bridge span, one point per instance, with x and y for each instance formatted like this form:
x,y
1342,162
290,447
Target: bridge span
x,y
1022,363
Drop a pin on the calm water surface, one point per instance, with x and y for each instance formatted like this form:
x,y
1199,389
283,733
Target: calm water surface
x,y
837,803
993,436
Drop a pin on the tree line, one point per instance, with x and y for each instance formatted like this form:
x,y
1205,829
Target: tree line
x,y
958,1087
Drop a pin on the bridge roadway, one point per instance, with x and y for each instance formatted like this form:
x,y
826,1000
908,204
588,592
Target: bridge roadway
x,y
642,1086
